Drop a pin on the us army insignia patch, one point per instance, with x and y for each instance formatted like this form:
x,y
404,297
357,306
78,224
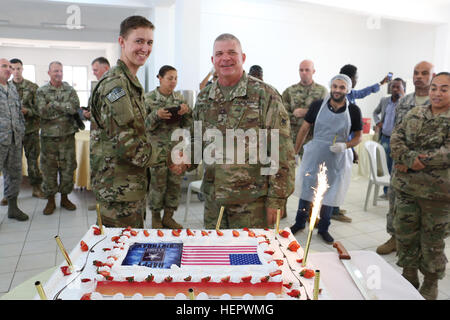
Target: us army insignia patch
x,y
115,94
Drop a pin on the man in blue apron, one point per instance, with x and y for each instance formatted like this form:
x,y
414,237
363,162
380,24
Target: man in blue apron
x,y
334,118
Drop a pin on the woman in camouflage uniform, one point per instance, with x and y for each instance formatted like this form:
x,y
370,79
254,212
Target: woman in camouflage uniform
x,y
167,111
421,149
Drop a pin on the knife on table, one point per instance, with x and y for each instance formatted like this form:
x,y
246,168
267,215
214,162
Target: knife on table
x,y
354,272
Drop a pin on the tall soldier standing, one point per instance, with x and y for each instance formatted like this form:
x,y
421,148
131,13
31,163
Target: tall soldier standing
x,y
27,92
120,149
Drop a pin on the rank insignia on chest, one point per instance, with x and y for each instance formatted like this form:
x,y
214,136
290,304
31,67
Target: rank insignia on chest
x,y
115,94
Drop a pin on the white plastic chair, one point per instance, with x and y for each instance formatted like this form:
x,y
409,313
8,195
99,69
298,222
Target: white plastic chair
x,y
193,186
382,180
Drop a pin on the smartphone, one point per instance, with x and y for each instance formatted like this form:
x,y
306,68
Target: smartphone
x,y
390,74
174,112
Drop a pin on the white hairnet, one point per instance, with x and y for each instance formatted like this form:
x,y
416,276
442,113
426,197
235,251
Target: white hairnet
x,y
344,78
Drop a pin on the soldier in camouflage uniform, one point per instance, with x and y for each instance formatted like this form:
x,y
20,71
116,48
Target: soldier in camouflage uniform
x,y
421,148
422,76
165,186
12,130
237,101
27,92
120,149
58,105
298,97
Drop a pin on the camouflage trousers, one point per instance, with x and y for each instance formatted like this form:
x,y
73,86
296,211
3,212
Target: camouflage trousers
x,y
32,149
390,215
11,168
58,158
123,214
421,225
165,189
250,215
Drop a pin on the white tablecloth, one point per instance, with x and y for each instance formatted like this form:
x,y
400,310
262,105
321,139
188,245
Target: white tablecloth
x,y
385,281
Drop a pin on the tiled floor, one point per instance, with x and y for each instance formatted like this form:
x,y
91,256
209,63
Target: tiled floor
x,y
28,248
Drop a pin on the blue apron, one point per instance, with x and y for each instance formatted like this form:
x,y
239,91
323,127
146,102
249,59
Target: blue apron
x,y
328,125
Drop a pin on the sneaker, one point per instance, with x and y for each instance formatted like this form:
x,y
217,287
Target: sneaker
x,y
295,228
327,237
340,217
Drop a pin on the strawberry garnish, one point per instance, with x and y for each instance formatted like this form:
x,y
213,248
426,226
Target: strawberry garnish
x,y
187,278
264,279
275,273
133,233
150,278
86,296
288,285
225,280
251,234
294,294
204,233
307,273
176,233
285,234
219,233
146,233
97,231
206,279
84,246
235,233
279,262
160,233
269,252
293,246
246,279
130,279
115,239
97,263
189,232
66,270
168,279
299,260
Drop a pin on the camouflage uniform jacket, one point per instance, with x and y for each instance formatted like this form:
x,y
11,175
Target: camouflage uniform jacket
x,y
120,150
252,104
27,93
300,96
160,131
421,132
57,107
405,104
12,122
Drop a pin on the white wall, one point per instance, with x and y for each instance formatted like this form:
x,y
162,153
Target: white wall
x,y
278,37
41,57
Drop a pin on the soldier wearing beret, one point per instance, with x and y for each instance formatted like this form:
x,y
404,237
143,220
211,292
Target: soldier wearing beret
x,y
120,149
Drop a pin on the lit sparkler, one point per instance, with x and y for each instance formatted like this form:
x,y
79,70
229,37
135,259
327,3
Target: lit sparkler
x,y
322,186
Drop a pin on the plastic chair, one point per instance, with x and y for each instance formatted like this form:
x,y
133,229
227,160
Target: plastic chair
x,y
382,180
193,186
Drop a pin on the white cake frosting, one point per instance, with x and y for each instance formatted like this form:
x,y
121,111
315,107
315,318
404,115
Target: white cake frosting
x,y
111,248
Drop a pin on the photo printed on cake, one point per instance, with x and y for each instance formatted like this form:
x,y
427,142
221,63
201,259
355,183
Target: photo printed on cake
x,y
154,255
